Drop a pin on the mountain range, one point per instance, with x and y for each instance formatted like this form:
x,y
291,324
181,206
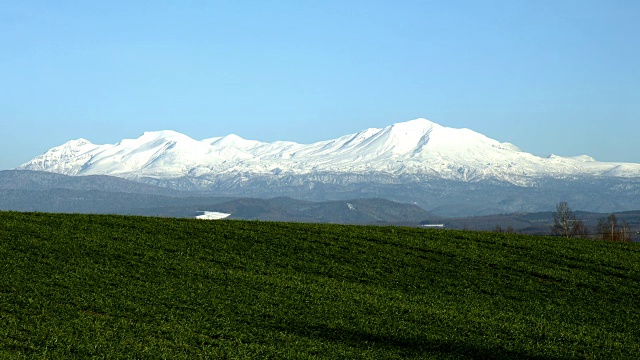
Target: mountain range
x,y
418,147
449,171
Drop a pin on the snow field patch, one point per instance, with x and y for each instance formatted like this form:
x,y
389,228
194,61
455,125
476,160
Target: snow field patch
x,y
212,215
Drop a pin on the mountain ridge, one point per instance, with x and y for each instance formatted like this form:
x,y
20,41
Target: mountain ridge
x,y
419,147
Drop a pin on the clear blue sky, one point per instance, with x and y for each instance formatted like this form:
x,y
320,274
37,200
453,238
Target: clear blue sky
x,y
550,76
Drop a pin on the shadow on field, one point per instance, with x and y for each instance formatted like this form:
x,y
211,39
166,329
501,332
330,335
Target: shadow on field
x,y
418,347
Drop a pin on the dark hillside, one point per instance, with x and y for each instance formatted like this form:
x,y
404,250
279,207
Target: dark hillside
x,y
356,211
80,195
106,286
62,200
41,180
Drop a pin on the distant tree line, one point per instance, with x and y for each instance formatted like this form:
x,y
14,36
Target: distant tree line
x,y
611,230
566,224
499,229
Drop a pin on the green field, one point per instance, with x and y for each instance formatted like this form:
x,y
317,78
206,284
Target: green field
x,y
83,286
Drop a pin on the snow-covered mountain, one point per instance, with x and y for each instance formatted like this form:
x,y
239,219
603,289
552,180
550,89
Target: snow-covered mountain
x,y
418,148
455,172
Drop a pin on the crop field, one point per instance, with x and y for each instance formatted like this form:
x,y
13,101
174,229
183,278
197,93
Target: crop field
x,y
105,286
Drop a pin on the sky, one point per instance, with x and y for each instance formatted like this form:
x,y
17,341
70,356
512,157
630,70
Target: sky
x,y
550,76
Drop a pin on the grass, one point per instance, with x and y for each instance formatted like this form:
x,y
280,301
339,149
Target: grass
x,y
102,286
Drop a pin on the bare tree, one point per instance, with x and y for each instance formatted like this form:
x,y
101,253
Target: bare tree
x,y
610,230
626,231
566,224
603,232
579,229
563,220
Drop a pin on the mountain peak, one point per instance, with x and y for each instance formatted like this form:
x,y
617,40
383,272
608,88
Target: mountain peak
x,y
162,134
232,140
79,142
404,137
419,125
77,145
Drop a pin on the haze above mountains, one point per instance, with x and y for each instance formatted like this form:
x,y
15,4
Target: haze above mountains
x,y
445,170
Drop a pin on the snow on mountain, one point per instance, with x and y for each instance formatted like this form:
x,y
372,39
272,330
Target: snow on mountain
x,y
68,158
417,147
